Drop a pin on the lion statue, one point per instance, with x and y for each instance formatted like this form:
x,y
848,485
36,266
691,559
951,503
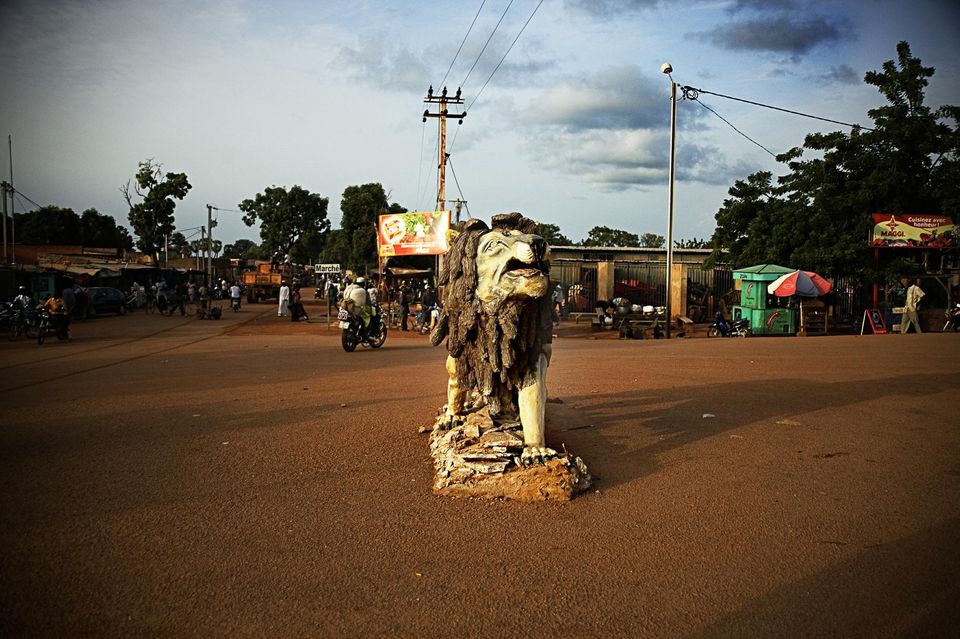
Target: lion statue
x,y
497,320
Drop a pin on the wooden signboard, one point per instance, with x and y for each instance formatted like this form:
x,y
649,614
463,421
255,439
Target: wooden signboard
x,y
874,319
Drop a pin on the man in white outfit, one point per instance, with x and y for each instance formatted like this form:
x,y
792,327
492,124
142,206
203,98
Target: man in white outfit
x,y
914,295
284,308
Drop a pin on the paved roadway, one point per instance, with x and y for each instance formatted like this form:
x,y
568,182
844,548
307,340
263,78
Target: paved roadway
x,y
169,477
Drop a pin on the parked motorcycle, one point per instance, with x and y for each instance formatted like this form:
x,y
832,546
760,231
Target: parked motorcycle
x,y
354,333
953,319
721,328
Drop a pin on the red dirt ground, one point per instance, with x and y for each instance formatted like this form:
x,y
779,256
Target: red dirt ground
x,y
174,477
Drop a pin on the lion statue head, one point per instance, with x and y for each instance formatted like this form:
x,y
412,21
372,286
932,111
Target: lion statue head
x,y
496,314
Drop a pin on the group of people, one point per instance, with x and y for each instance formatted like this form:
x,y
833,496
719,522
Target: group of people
x,y
291,303
73,302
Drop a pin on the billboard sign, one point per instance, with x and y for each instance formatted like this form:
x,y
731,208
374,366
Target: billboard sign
x,y
911,231
415,233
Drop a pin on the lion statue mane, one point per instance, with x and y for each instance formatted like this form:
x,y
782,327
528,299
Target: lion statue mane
x,y
497,321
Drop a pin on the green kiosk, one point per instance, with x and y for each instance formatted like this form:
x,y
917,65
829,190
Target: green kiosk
x,y
767,313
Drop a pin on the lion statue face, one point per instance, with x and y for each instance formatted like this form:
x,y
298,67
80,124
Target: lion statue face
x,y
511,265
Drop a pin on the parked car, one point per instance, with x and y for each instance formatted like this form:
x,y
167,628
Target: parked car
x,y
104,299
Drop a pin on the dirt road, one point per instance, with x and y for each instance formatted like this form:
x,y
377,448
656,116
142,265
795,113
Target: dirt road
x,y
168,477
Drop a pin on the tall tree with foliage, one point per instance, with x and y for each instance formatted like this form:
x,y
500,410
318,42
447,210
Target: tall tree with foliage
x,y
604,236
652,240
356,243
102,231
285,217
48,225
152,218
551,233
243,250
817,216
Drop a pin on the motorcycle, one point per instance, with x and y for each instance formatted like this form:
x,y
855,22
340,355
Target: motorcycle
x,y
953,319
354,333
235,304
721,328
52,324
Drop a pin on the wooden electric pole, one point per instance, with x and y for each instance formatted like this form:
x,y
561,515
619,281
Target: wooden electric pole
x,y
442,101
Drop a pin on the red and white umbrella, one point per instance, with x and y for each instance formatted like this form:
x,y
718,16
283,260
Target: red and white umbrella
x,y
806,283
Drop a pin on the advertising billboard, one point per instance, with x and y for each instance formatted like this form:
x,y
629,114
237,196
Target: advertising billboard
x,y
911,231
415,233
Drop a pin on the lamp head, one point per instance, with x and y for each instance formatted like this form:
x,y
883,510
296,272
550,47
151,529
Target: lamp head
x,y
667,68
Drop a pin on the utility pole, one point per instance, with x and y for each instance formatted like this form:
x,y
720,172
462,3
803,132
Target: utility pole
x,y
4,188
210,224
13,208
442,101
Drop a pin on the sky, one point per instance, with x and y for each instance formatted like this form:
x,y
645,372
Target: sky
x,y
572,128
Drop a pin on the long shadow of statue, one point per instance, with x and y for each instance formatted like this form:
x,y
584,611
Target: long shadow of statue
x,y
624,434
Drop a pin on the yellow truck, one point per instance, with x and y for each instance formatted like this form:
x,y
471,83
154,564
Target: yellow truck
x,y
263,283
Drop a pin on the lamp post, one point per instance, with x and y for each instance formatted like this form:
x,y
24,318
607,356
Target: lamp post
x,y
668,69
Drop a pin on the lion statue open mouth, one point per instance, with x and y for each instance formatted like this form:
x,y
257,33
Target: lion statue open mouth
x,y
497,320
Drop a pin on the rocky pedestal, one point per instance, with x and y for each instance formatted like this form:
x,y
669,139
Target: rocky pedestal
x,y
481,459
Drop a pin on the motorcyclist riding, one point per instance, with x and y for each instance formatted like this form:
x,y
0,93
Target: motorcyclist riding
x,y
356,295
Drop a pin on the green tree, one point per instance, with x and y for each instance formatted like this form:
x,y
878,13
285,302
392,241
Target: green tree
x,y
694,243
356,243
817,215
285,217
179,246
102,231
551,233
243,250
604,236
152,218
199,247
48,225
652,240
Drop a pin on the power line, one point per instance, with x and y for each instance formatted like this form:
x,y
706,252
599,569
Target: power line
x,y
698,101
25,196
505,55
504,15
691,93
455,180
423,131
454,141
462,43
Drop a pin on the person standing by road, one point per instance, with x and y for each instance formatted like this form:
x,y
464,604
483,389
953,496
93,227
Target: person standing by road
x,y
910,306
404,298
283,309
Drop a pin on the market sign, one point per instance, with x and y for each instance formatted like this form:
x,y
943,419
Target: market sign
x,y
419,233
326,269
911,231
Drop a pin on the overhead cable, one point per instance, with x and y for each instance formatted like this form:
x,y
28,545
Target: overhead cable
x,y
19,192
691,93
462,43
455,180
505,55
700,102
477,97
504,15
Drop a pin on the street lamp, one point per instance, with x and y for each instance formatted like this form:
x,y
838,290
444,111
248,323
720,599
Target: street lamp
x,y
667,68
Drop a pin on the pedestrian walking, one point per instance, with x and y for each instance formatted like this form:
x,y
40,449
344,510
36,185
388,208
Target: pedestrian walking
x,y
910,306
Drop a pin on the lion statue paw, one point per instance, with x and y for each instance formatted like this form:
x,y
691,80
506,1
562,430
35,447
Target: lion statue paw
x,y
532,455
448,422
